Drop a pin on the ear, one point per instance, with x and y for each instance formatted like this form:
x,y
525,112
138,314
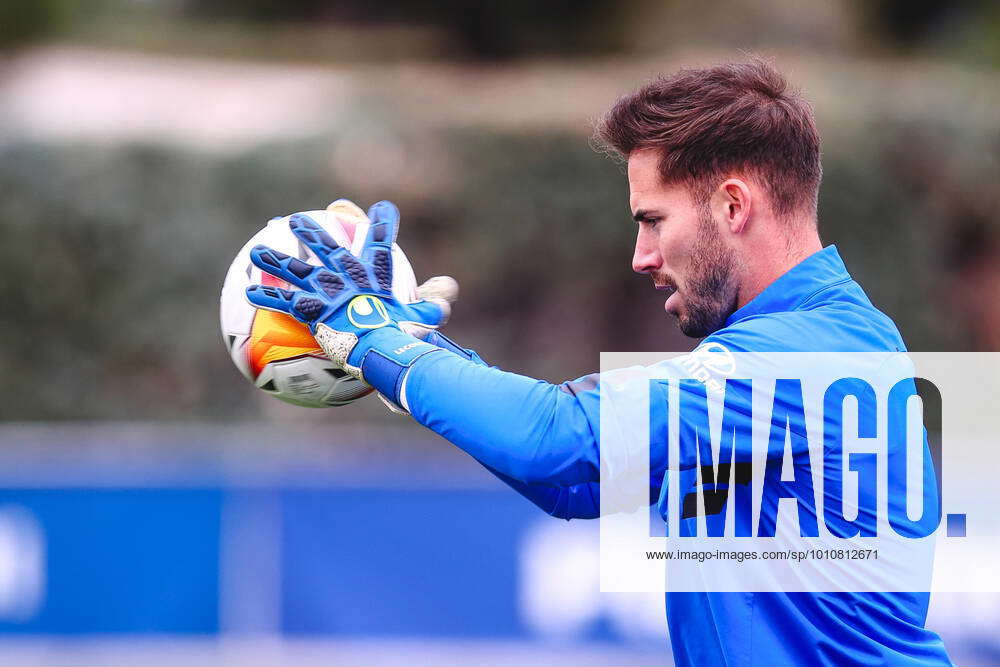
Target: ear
x,y
731,204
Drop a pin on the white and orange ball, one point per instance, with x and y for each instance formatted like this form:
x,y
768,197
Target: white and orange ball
x,y
274,350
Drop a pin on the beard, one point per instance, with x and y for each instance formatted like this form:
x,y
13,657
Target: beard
x,y
710,291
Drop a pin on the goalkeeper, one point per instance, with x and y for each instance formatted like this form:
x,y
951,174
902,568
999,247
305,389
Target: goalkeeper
x,y
723,171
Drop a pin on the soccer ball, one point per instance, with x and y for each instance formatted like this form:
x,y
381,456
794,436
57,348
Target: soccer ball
x,y
276,352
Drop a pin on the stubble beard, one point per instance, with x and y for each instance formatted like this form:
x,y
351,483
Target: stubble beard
x,y
711,290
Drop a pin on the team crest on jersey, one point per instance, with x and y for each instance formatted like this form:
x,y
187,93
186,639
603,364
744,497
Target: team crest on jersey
x,y
710,363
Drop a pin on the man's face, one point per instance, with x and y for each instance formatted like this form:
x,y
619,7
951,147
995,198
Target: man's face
x,y
681,247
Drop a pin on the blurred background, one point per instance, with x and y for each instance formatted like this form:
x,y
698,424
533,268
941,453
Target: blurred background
x,y
155,507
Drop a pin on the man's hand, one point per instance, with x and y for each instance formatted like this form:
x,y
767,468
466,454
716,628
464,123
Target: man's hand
x,y
349,298
441,291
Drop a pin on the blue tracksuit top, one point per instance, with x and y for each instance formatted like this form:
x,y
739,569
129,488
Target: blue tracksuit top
x,y
543,440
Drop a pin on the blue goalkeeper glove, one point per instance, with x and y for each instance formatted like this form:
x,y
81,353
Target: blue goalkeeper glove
x,y
348,302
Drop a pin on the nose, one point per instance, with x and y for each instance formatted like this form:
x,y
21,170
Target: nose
x,y
646,258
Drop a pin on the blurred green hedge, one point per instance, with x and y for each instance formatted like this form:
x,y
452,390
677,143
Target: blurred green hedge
x,y
112,258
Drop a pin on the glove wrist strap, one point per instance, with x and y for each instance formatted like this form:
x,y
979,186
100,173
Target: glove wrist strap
x,y
390,354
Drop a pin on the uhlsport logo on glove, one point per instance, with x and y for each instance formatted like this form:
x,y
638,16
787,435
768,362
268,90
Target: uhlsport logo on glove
x,y
367,312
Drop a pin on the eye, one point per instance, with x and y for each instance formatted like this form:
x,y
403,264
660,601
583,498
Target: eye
x,y
648,219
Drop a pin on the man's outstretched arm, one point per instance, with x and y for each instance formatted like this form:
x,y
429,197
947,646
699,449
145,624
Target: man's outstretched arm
x,y
579,501
526,429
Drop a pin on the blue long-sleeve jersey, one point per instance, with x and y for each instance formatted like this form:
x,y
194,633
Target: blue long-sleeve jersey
x,y
543,440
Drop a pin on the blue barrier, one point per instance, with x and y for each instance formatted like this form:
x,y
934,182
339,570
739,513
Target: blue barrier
x,y
113,560
351,561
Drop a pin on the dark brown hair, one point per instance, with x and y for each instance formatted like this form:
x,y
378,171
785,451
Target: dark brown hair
x,y
720,121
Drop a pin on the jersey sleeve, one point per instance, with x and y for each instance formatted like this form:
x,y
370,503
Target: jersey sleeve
x,y
535,433
526,429
580,501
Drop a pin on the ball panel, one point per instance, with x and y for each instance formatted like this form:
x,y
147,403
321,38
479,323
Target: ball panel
x,y
277,336
344,392
310,381
404,282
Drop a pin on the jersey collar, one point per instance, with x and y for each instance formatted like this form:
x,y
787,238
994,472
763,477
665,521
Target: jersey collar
x,y
797,285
